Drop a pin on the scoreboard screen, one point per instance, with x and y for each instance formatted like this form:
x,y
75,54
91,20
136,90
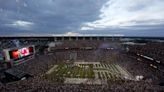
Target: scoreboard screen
x,y
20,53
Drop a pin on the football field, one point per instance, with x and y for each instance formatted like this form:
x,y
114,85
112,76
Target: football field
x,y
89,71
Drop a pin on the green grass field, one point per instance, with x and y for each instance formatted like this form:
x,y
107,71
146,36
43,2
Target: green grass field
x,y
68,71
92,71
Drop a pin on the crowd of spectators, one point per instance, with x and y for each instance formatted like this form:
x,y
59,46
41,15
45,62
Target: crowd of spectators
x,y
38,85
42,63
8,43
154,50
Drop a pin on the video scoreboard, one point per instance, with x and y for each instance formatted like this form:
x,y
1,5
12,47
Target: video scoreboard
x,y
17,55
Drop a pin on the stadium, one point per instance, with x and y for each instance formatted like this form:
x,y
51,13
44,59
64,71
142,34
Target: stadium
x,y
95,65
81,46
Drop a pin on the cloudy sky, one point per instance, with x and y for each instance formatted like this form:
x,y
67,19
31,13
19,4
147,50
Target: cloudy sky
x,y
80,17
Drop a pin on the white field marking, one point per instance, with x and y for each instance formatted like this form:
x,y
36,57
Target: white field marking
x,y
105,75
86,62
82,80
109,75
96,74
52,69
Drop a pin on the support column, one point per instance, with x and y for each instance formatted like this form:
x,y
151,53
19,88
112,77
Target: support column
x,y
62,39
55,39
77,38
98,39
104,38
83,38
70,39
91,38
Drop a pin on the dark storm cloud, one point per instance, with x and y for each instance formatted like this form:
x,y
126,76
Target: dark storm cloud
x,y
48,16
129,17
